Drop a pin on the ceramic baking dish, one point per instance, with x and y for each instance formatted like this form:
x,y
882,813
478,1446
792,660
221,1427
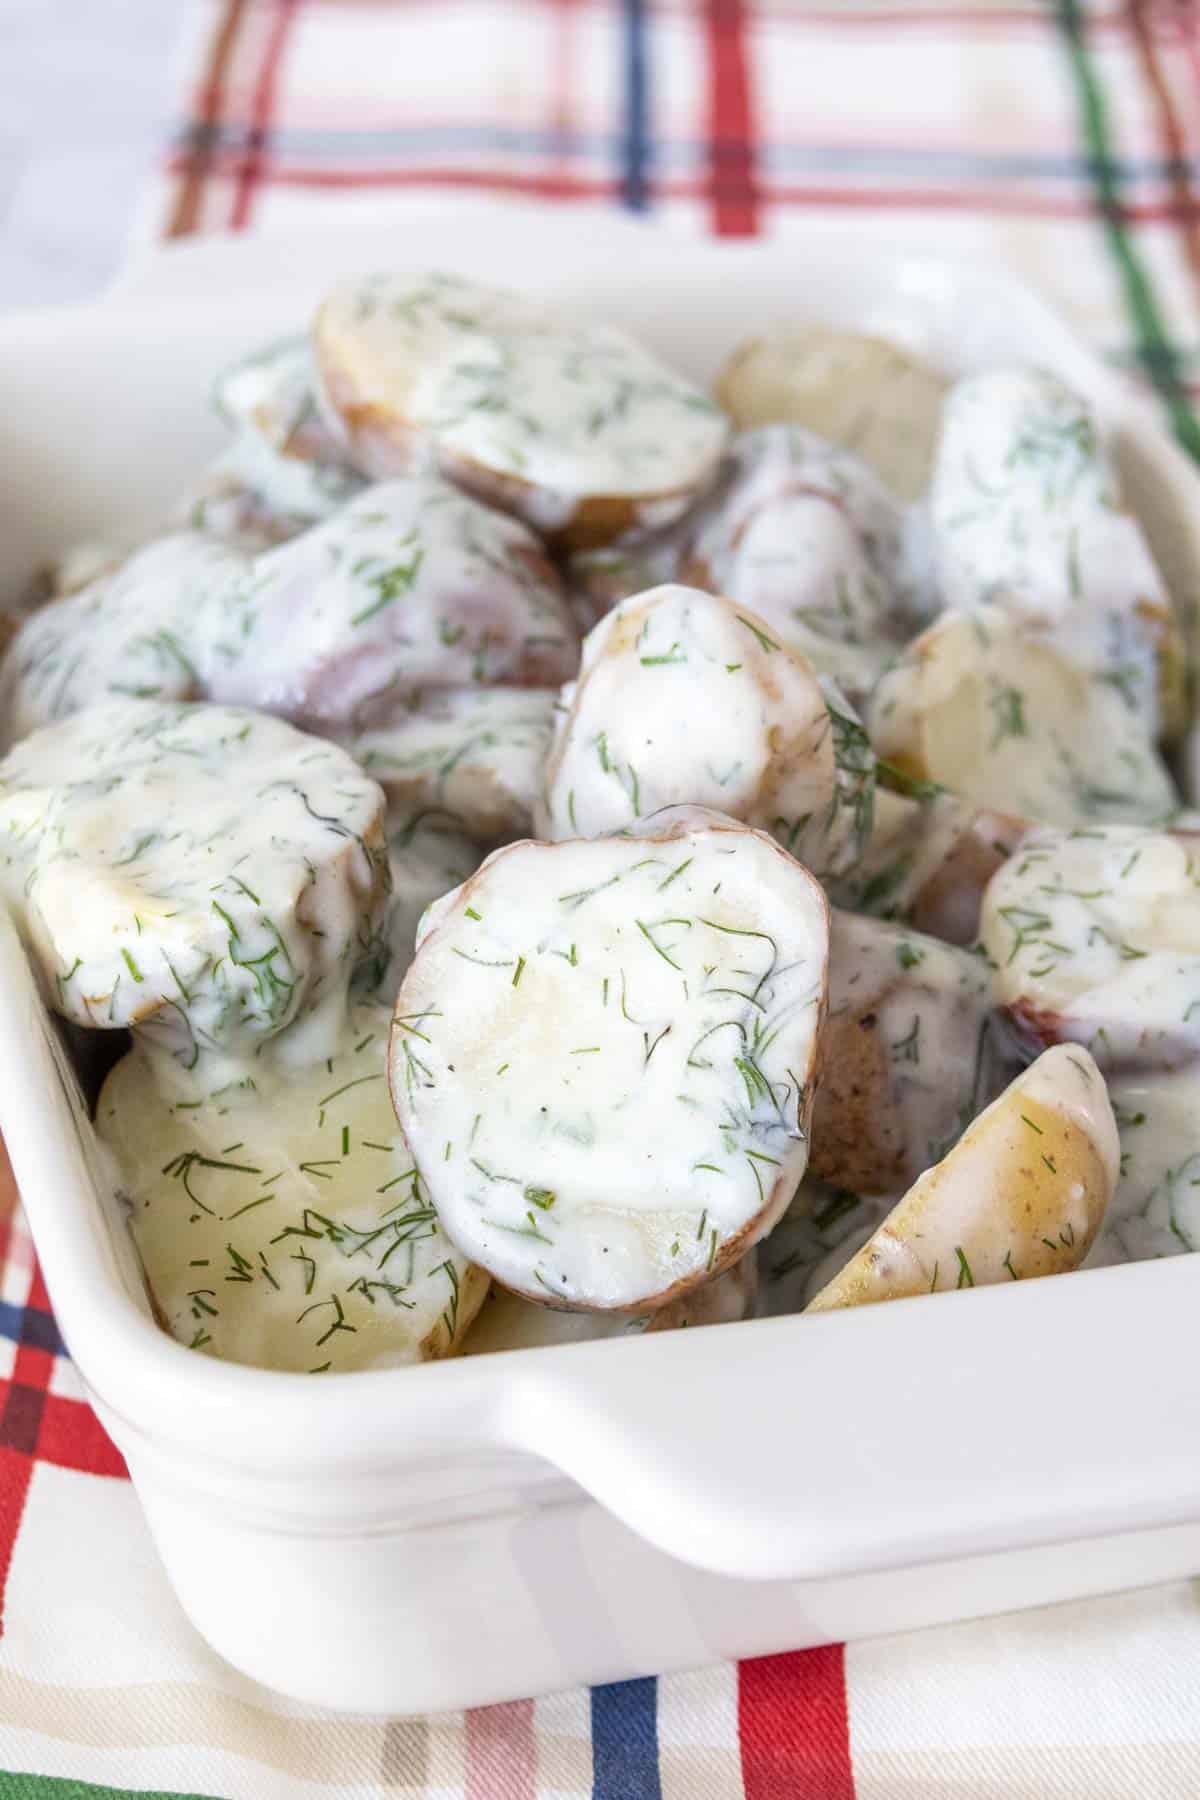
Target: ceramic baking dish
x,y
469,1531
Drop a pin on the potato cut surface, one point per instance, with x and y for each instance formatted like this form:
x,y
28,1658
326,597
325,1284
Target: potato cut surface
x,y
686,699
208,875
279,1219
603,1056
575,427
1095,937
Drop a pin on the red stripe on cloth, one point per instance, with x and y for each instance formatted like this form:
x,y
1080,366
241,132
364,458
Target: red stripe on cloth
x,y
72,1437
732,173
793,1726
501,1752
262,109
15,1471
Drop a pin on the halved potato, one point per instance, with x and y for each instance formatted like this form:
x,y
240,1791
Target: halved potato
x,y
1020,1195
928,862
280,1221
908,1054
1094,937
574,428
473,754
861,392
685,699
1156,1208
1002,718
1026,515
210,876
506,1322
128,633
603,1057
413,586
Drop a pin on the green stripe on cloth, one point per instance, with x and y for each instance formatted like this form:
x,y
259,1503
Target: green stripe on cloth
x,y
1155,351
55,1787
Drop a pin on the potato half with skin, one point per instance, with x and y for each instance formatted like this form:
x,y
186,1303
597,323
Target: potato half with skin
x,y
909,1054
209,876
472,754
928,863
861,392
1003,719
574,428
281,1222
506,1322
603,1057
1026,516
686,699
1094,938
1021,1194
805,534
411,587
127,634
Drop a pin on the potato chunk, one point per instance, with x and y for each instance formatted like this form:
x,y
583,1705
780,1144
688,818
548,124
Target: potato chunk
x,y
1095,938
574,428
474,755
603,1057
129,633
908,1054
686,699
412,586
1026,515
280,1220
1021,1194
927,863
860,392
210,876
1003,719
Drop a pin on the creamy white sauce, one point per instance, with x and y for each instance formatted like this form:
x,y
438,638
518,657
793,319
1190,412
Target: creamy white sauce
x,y
211,877
1026,512
478,376
474,755
603,1056
1156,1208
685,699
427,857
279,1217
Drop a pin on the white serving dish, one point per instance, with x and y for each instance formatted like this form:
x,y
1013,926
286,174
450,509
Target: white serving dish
x,y
500,1526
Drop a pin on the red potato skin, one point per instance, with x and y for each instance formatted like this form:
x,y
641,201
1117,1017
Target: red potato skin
x,y
948,905
782,1192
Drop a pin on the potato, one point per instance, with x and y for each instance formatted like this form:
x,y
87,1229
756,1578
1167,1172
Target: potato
x,y
807,536
209,876
603,1057
817,1236
1095,939
127,633
908,1055
1026,515
928,862
1003,719
862,393
474,755
412,587
574,428
1020,1195
1156,1208
686,699
280,1221
506,1322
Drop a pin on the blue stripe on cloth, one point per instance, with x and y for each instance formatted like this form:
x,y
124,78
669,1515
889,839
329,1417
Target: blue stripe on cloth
x,y
625,1741
30,1325
635,192
632,145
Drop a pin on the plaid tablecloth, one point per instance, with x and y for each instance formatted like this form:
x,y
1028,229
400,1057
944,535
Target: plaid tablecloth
x,y
1063,140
